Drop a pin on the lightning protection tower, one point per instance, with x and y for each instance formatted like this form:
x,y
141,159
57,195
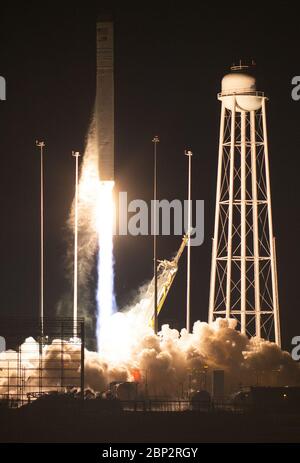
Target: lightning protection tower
x,y
243,281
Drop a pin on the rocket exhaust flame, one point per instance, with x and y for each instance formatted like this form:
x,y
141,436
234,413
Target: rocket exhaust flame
x,y
105,291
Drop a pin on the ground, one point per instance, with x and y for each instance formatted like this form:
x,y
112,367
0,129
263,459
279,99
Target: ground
x,y
78,425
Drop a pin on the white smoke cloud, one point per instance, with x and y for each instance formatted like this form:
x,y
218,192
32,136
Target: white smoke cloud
x,y
169,362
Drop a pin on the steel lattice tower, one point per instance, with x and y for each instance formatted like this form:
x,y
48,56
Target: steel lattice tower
x,y
243,272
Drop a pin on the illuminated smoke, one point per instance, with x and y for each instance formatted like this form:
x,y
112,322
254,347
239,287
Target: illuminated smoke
x,y
165,364
170,362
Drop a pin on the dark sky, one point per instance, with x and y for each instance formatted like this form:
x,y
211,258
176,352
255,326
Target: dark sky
x,y
169,64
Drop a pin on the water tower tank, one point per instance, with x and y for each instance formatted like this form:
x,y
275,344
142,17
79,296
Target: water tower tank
x,y
239,90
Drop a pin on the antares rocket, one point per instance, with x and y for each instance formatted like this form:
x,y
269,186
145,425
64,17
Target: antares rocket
x,y
105,99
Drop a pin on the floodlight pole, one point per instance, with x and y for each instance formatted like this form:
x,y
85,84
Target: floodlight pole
x,y
155,141
41,145
189,226
76,155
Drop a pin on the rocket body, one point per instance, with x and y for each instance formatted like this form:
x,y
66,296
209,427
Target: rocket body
x,y
105,100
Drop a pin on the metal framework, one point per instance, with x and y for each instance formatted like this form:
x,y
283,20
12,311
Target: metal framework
x,y
243,273
44,363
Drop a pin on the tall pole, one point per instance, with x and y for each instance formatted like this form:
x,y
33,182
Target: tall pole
x,y
189,224
217,215
243,285
270,226
230,214
41,145
255,225
82,336
75,301
155,141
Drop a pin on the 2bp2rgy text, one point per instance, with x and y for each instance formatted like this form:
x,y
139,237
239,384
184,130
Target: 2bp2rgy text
x,y
150,452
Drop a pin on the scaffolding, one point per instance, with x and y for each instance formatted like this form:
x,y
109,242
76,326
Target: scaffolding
x,y
40,359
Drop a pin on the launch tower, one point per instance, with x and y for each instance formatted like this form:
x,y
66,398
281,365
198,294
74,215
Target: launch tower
x,y
243,281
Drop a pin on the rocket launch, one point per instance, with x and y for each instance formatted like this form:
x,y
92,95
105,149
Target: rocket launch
x,y
104,145
105,99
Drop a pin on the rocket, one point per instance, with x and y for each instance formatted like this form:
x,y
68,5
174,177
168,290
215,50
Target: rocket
x,y
104,110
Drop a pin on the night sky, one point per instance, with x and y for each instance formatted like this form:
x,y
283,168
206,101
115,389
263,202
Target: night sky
x,y
169,62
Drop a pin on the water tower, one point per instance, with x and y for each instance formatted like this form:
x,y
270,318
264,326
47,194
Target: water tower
x,y
243,281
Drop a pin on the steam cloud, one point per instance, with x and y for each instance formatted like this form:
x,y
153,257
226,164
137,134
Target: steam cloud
x,y
168,363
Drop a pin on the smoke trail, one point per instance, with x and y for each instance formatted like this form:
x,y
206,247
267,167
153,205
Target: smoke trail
x,y
95,235
88,201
